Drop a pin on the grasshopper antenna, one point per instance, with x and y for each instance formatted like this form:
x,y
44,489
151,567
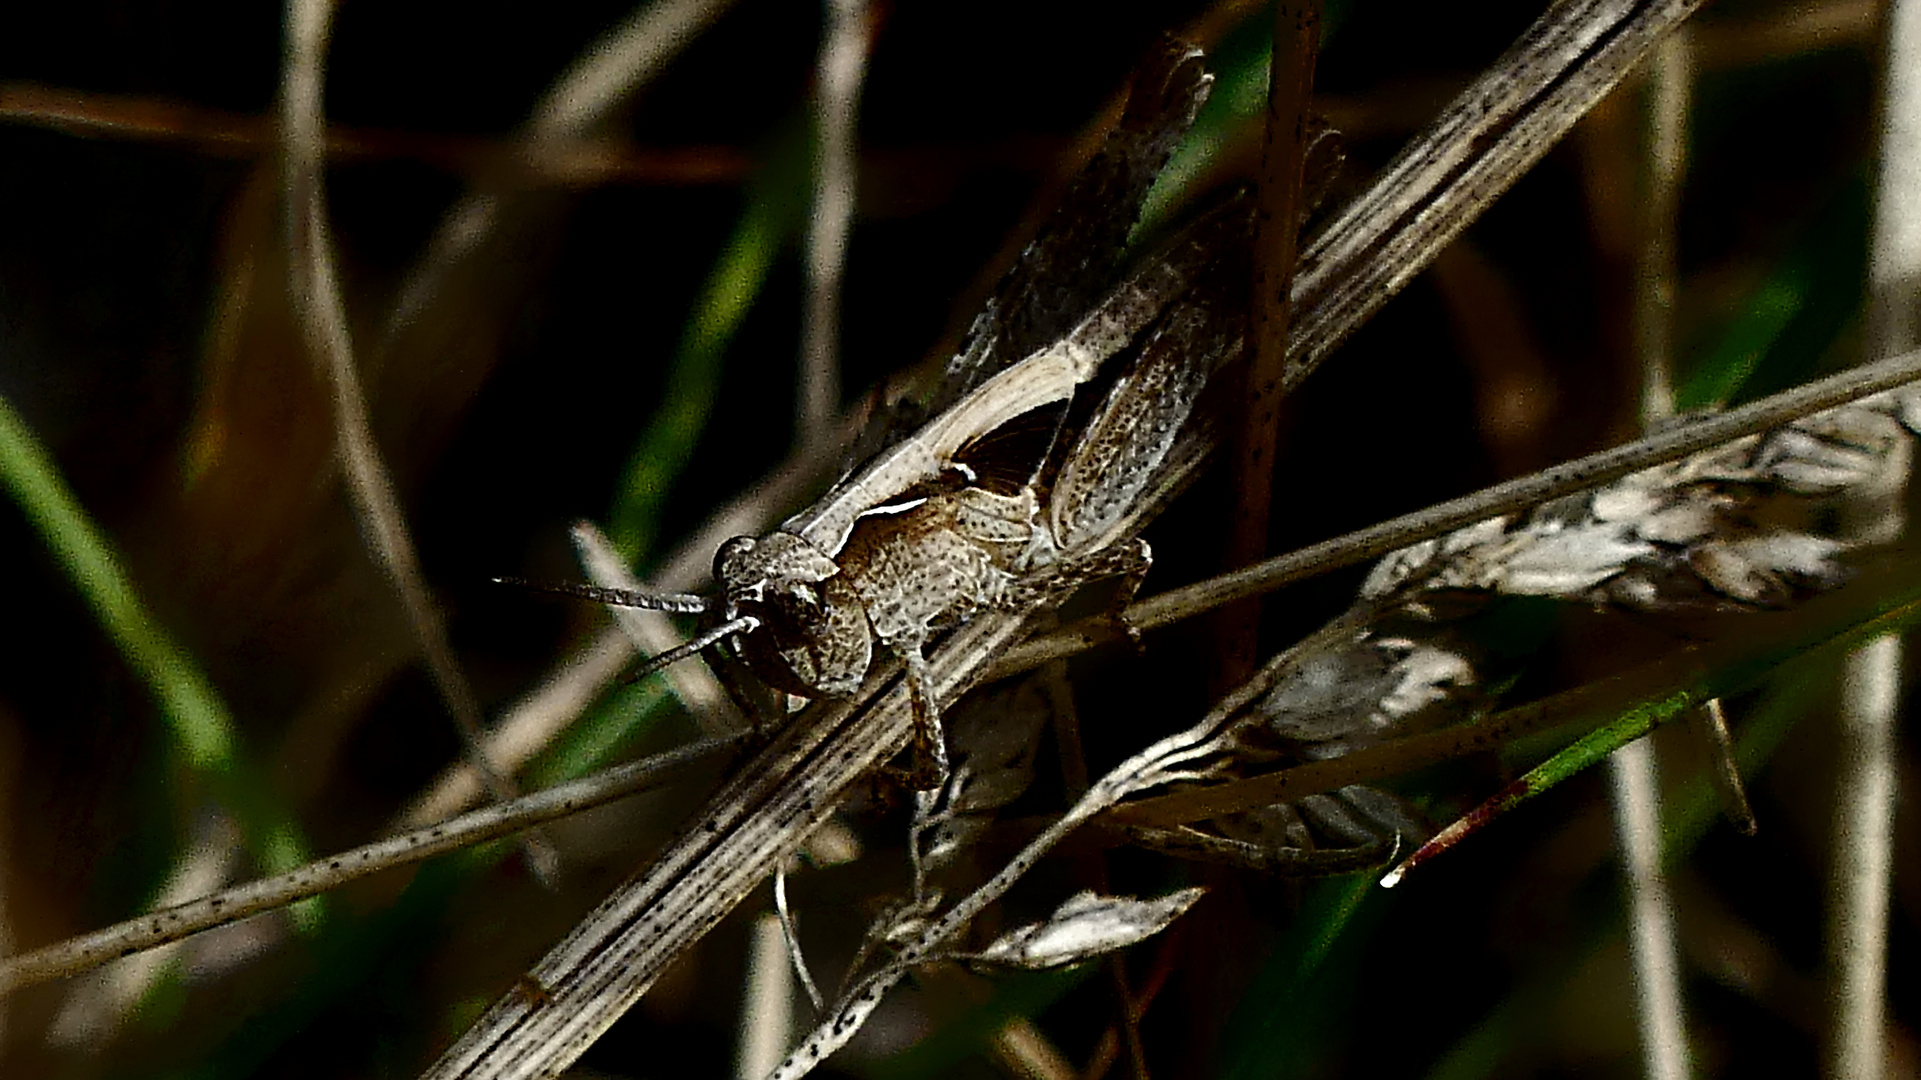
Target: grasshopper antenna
x,y
742,625
676,603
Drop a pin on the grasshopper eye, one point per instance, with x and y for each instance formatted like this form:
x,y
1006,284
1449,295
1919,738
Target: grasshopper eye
x,y
731,552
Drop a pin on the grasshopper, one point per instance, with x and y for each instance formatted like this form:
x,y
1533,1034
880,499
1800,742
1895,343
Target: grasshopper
x,y
917,541
926,537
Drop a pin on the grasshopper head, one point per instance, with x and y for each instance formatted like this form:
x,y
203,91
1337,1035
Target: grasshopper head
x,y
814,639
754,571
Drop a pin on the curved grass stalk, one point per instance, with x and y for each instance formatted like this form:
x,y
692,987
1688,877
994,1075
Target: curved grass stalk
x,y
322,317
605,75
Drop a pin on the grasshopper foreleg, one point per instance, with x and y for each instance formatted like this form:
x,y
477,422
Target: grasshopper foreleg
x,y
928,768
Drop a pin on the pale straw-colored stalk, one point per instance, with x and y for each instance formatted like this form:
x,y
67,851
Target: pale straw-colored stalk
x,y
1633,772
1860,876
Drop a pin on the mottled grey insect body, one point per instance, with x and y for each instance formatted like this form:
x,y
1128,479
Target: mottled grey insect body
x,y
915,542
951,548
906,573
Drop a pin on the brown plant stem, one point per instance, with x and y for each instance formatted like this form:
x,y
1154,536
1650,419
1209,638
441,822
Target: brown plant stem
x,y
1297,35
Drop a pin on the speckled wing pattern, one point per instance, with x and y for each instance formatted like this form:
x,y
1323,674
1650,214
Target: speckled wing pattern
x,y
1074,260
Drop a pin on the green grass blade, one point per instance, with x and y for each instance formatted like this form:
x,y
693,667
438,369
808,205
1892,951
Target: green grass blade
x,y
1281,1023
202,730
771,219
195,716
1794,317
1865,611
1515,1019
1720,375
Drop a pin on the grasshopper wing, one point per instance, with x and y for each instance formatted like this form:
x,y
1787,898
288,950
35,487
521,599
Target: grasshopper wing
x,y
1137,448
1074,259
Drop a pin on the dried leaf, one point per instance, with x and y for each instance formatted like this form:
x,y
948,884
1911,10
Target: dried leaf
x,y
993,738
1087,926
1765,570
1362,822
1730,527
1357,690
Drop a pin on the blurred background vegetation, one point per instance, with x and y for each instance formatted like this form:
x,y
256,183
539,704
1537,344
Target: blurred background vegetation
x,y
638,309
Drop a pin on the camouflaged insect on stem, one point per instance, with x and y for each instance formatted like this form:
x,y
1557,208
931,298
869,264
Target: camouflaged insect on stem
x,y
916,541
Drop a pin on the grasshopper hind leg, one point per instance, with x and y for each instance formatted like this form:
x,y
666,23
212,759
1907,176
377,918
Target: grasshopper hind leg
x,y
1128,560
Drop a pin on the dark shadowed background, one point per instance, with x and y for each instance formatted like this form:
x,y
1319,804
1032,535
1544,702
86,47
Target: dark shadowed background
x,y
146,337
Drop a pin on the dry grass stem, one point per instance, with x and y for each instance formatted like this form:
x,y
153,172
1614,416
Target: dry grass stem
x,y
191,907
1634,786
611,70
1492,133
790,936
760,818
1711,732
531,723
1633,772
1182,756
653,632
1668,90
96,1007
1506,497
1863,855
323,325
1860,878
838,75
607,74
767,1006
1685,679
